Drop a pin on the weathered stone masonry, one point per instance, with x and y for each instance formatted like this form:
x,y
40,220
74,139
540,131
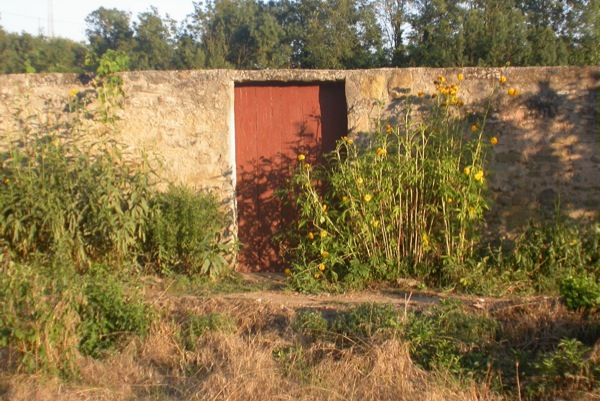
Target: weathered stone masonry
x,y
549,138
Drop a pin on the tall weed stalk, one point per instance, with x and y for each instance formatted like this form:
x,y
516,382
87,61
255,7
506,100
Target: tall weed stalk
x,y
407,201
69,195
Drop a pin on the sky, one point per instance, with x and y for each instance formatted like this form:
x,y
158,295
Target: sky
x,y
68,16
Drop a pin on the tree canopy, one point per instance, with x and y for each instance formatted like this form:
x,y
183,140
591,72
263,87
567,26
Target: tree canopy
x,y
336,34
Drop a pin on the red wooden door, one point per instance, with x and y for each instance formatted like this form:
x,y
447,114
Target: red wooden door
x,y
273,124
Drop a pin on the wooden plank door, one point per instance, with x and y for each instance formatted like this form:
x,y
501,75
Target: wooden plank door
x,y
273,124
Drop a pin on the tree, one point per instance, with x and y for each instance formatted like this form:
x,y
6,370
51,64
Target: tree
x,y
436,38
495,33
392,15
334,34
153,42
188,52
109,29
241,34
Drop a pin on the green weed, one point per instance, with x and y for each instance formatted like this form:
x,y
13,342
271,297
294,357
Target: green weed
x,y
69,197
311,324
409,197
184,233
112,311
450,339
367,320
194,327
51,313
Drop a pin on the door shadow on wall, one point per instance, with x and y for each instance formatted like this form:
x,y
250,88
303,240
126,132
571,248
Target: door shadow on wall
x,y
264,208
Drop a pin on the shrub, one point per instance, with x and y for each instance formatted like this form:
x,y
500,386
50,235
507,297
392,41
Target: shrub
x,y
548,256
580,293
68,196
449,338
568,367
49,314
184,234
112,311
407,202
39,324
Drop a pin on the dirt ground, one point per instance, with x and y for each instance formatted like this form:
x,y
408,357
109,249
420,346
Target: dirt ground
x,y
270,289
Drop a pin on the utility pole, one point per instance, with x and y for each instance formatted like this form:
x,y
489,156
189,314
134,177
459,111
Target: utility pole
x,y
50,20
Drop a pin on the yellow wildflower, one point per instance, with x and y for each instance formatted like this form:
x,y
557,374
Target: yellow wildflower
x,y
321,267
502,79
301,157
460,77
316,275
311,236
375,223
368,197
441,78
474,128
381,152
350,141
425,238
467,170
324,207
494,141
449,200
6,181
73,93
513,92
460,102
307,166
388,128
324,254
420,93
287,272
478,176
472,213
359,180
344,199
323,234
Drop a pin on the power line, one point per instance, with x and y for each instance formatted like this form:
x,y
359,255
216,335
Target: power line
x,y
37,18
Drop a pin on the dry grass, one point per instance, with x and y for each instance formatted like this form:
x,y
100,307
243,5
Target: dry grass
x,y
264,360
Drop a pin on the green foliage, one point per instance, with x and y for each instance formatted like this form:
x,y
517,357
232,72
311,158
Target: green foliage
x,y
109,29
25,53
333,34
51,312
357,324
252,34
68,196
407,202
153,50
580,293
40,322
367,320
543,255
196,326
107,83
184,233
311,324
568,366
112,311
447,337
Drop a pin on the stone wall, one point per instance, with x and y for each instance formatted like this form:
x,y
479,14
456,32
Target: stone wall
x,y
549,139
